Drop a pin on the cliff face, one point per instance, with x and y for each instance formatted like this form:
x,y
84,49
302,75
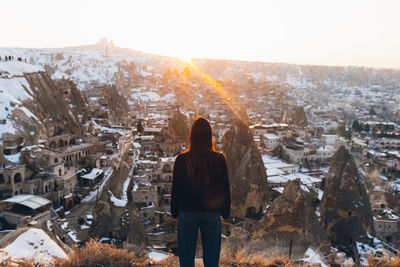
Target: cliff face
x,y
247,174
32,100
17,121
76,101
346,214
51,107
33,107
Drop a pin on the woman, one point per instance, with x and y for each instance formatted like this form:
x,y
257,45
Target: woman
x,y
200,196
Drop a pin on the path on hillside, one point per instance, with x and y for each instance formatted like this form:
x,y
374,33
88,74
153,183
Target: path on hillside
x,y
114,183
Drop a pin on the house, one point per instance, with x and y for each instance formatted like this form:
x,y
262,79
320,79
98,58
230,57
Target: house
x,y
387,225
299,153
145,197
147,142
92,178
271,141
280,129
17,207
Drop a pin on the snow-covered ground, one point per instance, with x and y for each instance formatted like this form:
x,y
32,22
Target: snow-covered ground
x,y
124,200
35,243
157,256
93,64
13,91
92,195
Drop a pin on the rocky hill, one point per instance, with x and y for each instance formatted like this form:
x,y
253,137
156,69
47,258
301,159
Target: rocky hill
x,y
33,107
345,209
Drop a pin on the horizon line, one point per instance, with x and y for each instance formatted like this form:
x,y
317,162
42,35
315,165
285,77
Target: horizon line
x,y
210,58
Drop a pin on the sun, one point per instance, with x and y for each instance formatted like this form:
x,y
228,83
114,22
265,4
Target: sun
x,y
185,58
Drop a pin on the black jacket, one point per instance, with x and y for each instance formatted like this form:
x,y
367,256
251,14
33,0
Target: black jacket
x,y
215,196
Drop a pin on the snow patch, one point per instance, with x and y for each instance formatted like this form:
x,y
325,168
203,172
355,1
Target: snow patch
x,y
157,256
35,243
312,257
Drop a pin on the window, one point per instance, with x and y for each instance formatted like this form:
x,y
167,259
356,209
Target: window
x,y
1,179
17,178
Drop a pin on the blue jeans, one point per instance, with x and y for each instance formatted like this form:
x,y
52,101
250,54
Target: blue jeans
x,y
188,228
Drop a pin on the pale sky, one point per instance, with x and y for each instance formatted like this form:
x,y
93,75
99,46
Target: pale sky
x,y
337,32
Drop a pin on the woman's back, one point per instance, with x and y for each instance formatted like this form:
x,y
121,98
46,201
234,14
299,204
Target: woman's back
x,y
202,196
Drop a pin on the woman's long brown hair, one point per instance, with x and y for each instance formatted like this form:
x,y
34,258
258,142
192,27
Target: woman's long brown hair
x,y
200,149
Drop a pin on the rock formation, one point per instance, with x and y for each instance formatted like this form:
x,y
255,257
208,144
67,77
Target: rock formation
x,y
345,209
34,107
74,98
290,219
248,178
117,104
51,107
299,117
179,127
122,223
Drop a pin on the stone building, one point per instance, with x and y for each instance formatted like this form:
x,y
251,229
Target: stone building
x,y
387,225
12,181
145,197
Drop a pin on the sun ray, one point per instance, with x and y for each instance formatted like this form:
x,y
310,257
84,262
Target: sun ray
x,y
222,93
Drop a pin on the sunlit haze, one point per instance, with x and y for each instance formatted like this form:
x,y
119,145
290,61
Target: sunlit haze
x,y
361,33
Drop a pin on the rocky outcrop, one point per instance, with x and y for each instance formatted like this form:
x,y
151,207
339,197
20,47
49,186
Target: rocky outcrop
x,y
117,104
293,210
34,107
345,208
290,221
122,223
74,98
51,107
292,218
247,174
179,127
299,117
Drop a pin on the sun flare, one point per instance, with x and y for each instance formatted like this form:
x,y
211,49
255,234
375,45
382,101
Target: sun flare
x,y
185,58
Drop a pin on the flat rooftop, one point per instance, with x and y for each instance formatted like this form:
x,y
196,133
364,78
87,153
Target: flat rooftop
x,y
30,201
